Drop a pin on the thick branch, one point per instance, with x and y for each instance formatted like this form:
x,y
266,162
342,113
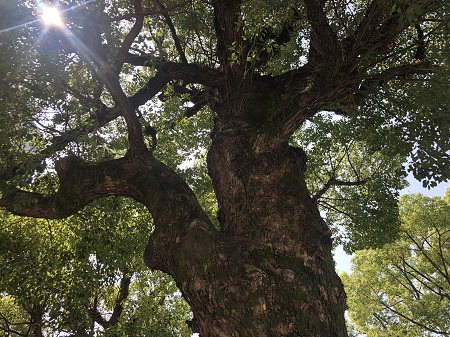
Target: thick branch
x,y
80,183
174,207
109,76
228,32
189,73
124,288
99,319
169,71
279,38
373,34
324,41
366,27
371,84
308,94
335,79
421,45
144,179
127,109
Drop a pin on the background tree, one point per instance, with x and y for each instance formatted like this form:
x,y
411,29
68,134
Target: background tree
x,y
84,276
404,287
120,99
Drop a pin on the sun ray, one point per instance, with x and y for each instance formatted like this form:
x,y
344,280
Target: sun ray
x,y
8,29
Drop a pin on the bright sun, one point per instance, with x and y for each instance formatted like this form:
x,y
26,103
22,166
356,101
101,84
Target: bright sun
x,y
51,16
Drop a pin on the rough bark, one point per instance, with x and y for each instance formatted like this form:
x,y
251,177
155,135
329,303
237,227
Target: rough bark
x,y
269,271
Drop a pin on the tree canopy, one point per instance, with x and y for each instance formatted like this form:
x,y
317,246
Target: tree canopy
x,y
404,287
56,102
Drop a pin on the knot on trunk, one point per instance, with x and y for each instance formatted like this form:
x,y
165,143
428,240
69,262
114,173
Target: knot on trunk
x,y
301,157
67,165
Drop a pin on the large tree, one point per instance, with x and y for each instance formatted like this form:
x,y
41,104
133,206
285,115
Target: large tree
x,y
120,99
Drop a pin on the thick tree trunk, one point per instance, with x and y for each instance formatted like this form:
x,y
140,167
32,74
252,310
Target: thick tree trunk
x,y
278,277
269,271
275,274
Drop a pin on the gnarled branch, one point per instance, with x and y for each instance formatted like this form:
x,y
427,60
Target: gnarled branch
x,y
131,36
80,183
173,205
124,288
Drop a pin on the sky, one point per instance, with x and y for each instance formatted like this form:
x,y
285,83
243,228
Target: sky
x,y
343,260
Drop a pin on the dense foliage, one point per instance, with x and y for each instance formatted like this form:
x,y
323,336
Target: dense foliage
x,y
84,276
403,289
361,144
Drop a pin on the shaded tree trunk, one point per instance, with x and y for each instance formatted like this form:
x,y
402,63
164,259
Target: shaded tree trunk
x,y
269,271
36,319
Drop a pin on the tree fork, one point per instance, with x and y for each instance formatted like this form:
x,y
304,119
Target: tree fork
x,y
269,271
